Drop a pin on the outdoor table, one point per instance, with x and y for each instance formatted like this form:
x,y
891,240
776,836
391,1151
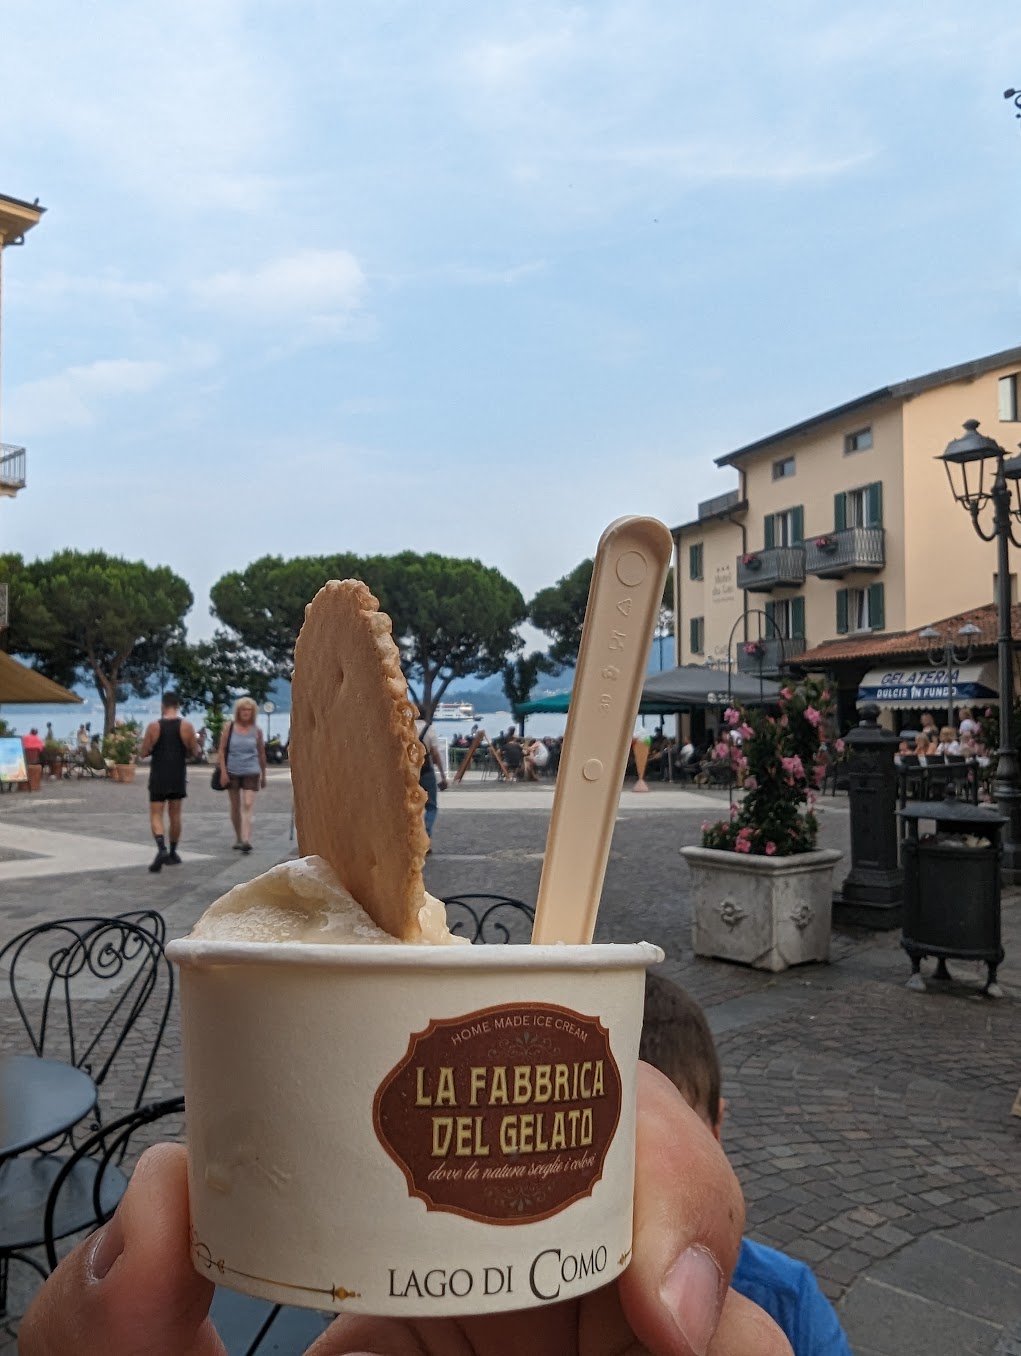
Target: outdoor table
x,y
39,1100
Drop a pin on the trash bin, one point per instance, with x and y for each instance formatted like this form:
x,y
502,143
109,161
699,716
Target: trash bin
x,y
952,887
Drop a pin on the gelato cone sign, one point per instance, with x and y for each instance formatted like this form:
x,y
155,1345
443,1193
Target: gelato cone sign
x,y
503,1115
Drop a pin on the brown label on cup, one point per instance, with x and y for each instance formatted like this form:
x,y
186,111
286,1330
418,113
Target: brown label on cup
x,y
503,1115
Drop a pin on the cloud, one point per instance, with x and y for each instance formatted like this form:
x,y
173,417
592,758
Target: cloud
x,y
70,399
316,282
707,161
109,284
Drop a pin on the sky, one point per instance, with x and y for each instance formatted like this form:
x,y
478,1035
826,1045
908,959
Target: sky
x,y
475,278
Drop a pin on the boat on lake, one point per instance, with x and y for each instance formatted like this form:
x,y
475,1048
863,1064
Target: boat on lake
x,y
454,711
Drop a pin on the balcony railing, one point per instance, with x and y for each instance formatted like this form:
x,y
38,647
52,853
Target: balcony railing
x,y
12,469
719,504
768,655
778,567
835,554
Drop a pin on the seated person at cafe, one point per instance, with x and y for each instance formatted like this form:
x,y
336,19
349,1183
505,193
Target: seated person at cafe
x,y
948,742
513,757
536,759
930,729
967,724
922,746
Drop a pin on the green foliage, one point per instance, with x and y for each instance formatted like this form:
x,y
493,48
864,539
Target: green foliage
x,y
780,759
519,676
212,674
85,614
121,743
264,604
560,611
451,618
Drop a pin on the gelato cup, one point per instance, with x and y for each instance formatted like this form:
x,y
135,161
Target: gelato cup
x,y
411,1131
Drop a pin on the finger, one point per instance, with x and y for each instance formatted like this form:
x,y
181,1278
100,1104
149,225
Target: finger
x,y
689,1214
744,1327
130,1289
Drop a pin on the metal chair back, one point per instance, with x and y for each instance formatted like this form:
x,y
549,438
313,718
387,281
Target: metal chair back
x,y
489,919
80,985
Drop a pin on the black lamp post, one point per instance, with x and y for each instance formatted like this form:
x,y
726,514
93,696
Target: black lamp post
x,y
942,648
966,460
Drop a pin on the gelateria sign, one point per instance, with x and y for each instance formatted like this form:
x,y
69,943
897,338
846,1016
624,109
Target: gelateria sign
x,y
929,686
503,1115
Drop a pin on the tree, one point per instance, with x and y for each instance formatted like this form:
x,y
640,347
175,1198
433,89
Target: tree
x,y
213,673
560,611
87,615
264,604
451,618
519,676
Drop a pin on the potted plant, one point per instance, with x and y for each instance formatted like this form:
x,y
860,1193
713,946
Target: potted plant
x,y
754,649
825,543
52,757
762,890
119,749
751,561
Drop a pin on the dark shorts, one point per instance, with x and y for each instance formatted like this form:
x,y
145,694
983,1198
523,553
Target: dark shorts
x,y
249,782
158,797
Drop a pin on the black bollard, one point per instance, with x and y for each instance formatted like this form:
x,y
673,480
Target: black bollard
x,y
873,892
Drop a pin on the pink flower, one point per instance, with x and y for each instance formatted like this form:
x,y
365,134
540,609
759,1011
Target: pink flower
x,y
731,716
786,693
812,716
819,773
825,697
733,811
722,750
839,746
750,784
745,730
742,845
793,766
785,720
770,849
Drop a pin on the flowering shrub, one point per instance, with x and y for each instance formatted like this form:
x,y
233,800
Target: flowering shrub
x,y
754,648
825,543
782,764
750,560
121,744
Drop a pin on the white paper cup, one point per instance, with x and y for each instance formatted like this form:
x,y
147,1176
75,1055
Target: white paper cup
x,y
411,1131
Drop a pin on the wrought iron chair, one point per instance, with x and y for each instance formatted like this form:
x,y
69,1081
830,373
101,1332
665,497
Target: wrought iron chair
x,y
486,919
243,1323
79,986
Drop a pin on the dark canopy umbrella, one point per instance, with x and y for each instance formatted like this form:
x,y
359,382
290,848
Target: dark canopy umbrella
x,y
692,685
20,685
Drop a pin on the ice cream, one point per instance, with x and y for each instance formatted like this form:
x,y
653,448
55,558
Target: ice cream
x,y
303,901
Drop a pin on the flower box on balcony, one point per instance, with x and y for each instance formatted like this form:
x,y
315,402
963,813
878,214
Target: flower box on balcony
x,y
751,562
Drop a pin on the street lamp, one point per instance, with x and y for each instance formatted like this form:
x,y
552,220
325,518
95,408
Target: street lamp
x,y
942,648
965,460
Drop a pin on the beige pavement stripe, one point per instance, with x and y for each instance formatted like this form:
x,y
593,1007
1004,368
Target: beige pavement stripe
x,y
59,854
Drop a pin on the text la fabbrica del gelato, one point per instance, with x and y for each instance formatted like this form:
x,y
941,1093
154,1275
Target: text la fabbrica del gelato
x,y
459,1099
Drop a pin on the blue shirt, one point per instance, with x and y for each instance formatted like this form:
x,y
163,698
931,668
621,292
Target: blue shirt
x,y
790,1294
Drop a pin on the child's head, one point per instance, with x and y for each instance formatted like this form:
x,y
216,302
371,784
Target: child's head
x,y
676,1040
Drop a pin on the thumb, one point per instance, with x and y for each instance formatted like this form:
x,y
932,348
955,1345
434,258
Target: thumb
x,y
130,1288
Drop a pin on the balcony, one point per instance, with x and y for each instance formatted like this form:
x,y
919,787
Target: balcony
x,y
778,567
835,554
12,469
769,655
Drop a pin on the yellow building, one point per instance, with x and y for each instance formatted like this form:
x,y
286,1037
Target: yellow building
x,y
843,525
16,218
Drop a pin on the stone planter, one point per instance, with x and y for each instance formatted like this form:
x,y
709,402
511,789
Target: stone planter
x,y
769,912
122,772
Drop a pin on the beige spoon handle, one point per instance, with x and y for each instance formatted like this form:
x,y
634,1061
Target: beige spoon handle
x,y
627,588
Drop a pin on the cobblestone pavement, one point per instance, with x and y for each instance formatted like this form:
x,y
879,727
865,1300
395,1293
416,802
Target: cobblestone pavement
x,y
869,1125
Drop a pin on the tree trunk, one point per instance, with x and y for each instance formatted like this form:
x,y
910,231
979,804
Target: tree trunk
x,y
107,688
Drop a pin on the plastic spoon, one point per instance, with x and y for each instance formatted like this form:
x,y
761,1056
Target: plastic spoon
x,y
624,600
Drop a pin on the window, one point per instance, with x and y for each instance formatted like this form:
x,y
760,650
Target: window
x,y
695,561
787,616
786,528
859,441
861,609
1008,398
783,468
696,635
859,508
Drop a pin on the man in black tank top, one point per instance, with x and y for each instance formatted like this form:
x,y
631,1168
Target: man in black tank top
x,y
170,740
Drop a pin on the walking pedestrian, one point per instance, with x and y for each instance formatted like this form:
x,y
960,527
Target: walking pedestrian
x,y
242,756
432,764
169,740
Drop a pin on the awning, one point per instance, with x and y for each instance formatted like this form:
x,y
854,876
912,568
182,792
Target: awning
x,y
904,687
22,686
680,689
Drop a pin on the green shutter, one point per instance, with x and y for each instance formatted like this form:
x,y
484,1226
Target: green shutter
x,y
797,616
877,608
841,612
770,611
875,497
839,512
694,635
695,561
797,525
768,532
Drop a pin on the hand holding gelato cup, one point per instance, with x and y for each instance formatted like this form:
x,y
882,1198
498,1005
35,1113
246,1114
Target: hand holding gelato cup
x,y
381,1120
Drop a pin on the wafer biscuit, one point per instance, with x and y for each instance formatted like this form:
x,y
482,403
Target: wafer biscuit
x,y
355,757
